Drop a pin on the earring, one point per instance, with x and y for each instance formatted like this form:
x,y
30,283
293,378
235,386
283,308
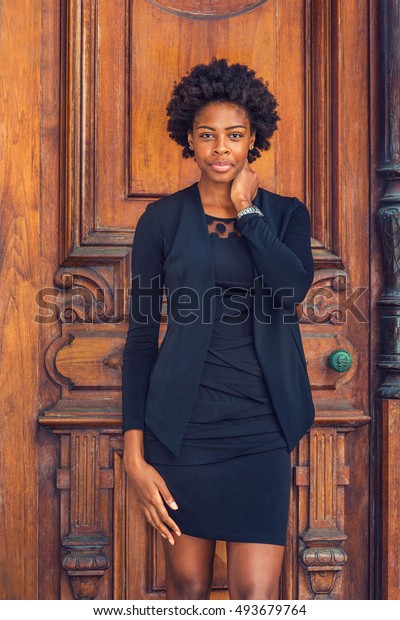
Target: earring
x,y
251,148
191,148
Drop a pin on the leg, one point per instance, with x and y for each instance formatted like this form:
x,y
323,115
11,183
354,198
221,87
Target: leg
x,y
189,565
254,570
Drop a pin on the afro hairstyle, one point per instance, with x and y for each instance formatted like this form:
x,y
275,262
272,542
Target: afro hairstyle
x,y
220,82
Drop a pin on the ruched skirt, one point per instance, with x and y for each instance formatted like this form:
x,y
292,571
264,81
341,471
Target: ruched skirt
x,y
232,477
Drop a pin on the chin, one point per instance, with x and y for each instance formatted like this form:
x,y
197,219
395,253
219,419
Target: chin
x,y
218,177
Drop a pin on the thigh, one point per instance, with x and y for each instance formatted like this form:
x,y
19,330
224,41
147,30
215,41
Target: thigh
x,y
254,570
189,563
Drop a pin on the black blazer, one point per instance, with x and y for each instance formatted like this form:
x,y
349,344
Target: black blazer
x,y
171,248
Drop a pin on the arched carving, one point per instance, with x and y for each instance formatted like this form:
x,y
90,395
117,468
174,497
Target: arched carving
x,y
209,9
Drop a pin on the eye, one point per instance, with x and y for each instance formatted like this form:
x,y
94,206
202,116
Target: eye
x,y
206,135
236,135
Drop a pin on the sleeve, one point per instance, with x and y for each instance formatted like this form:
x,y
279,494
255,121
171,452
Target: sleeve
x,y
287,266
141,346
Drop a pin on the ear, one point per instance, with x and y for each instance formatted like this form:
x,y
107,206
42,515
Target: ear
x,y
190,140
252,138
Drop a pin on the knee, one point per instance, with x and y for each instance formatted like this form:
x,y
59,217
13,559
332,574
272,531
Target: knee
x,y
187,588
256,592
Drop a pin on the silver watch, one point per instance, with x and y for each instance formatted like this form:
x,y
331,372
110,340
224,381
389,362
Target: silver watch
x,y
249,209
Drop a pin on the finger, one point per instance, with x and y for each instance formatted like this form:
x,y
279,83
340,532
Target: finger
x,y
158,505
159,524
148,516
167,519
163,530
166,493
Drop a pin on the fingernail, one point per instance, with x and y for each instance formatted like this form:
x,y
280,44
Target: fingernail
x,y
163,535
177,532
174,505
171,540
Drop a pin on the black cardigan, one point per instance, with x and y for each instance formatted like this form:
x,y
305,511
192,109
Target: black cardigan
x,y
171,249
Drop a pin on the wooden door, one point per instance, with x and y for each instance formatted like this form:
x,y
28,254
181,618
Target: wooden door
x,y
107,70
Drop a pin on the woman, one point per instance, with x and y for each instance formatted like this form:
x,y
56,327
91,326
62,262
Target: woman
x,y
210,460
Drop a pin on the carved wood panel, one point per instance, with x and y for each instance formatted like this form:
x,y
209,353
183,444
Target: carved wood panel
x,y
116,156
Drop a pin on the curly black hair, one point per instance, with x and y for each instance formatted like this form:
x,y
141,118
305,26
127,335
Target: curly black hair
x,y
220,82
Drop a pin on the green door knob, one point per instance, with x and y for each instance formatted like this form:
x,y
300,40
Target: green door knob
x,y
340,360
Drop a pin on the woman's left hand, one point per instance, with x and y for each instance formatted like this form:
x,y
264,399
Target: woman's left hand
x,y
244,187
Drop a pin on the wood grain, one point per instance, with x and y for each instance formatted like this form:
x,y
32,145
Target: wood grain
x,y
84,149
19,266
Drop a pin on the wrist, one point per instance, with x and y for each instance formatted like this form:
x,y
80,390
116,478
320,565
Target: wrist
x,y
252,209
242,204
133,460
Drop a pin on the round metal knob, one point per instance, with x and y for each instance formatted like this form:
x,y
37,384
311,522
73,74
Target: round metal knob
x,y
340,360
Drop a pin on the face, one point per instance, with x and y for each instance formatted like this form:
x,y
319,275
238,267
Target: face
x,y
221,139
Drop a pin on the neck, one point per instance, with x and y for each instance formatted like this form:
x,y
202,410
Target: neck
x,y
215,195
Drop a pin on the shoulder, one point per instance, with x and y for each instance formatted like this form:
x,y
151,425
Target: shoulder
x,y
171,201
279,201
165,211
280,207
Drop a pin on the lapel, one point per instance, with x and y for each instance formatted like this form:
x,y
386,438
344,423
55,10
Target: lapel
x,y
190,261
194,216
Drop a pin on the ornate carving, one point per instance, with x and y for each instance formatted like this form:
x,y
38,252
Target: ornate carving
x,y
207,9
326,301
389,212
320,556
388,225
85,563
322,564
387,508
87,296
85,358
114,360
327,557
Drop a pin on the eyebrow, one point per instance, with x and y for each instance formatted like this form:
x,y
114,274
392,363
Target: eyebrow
x,y
226,128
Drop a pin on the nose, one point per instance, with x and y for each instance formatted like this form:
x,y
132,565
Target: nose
x,y
221,146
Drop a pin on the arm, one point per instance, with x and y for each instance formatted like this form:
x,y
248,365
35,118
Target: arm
x,y
140,352
286,264
141,346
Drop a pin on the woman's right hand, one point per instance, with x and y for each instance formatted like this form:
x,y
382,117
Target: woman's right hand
x,y
150,489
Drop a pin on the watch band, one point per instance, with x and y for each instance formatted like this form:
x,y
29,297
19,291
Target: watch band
x,y
249,209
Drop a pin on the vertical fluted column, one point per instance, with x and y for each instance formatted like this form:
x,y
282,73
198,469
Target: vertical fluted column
x,y
85,560
388,220
389,211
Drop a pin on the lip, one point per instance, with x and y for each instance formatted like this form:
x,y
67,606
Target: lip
x,y
221,166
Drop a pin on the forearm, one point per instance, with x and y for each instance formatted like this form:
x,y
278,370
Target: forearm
x,y
286,266
133,447
141,346
139,355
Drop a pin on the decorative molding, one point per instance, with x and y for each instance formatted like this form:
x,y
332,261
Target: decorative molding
x,y
388,215
321,555
87,296
87,359
207,9
88,415
325,301
85,239
387,508
85,561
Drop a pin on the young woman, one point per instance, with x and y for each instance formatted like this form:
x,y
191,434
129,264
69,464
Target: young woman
x,y
209,420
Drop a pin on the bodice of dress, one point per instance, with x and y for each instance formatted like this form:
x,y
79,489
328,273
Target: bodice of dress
x,y
233,412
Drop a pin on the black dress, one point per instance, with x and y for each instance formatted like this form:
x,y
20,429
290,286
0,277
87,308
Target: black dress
x,y
232,478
